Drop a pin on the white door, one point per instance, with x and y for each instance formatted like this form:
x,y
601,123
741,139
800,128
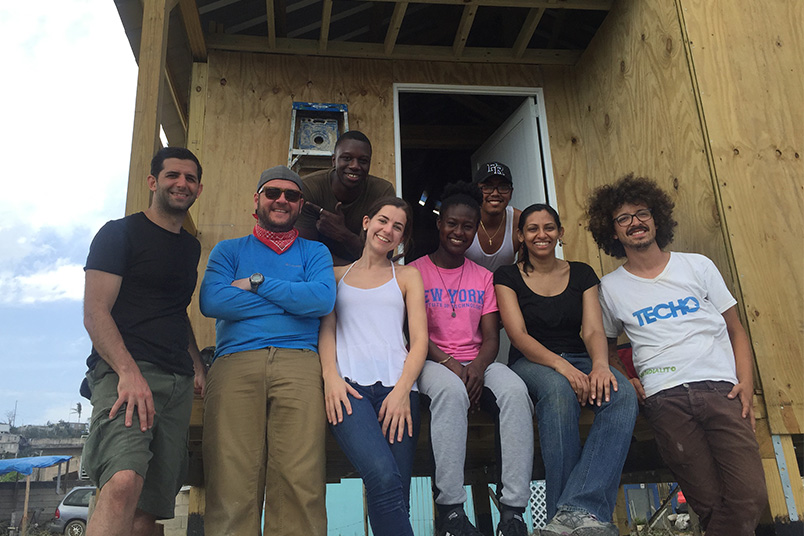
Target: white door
x,y
516,144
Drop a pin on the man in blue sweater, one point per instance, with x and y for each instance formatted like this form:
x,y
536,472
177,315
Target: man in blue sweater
x,y
264,417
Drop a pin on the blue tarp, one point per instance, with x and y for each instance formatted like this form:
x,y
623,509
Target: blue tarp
x,y
26,466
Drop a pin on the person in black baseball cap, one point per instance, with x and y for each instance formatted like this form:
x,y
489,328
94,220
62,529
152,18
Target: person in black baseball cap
x,y
495,243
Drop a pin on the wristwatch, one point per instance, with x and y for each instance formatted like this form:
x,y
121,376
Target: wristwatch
x,y
256,280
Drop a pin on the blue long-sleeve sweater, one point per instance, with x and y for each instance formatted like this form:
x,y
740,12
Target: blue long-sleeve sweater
x,y
299,288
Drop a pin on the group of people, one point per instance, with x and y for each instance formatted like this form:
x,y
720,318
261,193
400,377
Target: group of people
x,y
316,325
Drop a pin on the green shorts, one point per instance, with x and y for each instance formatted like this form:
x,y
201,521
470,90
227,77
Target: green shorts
x,y
159,455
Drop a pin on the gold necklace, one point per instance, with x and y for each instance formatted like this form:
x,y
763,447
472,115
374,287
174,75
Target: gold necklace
x,y
450,296
491,237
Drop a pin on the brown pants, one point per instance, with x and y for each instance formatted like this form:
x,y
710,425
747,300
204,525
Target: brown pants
x,y
264,426
713,453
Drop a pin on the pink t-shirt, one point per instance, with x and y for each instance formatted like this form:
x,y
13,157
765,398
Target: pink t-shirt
x,y
471,289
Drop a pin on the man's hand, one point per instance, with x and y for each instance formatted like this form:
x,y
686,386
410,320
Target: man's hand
x,y
746,395
333,224
199,381
640,391
133,391
243,284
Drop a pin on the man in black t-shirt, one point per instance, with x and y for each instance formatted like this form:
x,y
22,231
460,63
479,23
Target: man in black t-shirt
x,y
144,367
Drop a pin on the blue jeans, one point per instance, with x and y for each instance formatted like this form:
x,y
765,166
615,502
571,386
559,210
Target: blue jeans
x,y
580,479
385,468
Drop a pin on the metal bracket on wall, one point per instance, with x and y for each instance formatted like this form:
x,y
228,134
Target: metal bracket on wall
x,y
787,488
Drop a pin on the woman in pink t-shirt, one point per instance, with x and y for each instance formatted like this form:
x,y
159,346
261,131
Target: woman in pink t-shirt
x,y
460,372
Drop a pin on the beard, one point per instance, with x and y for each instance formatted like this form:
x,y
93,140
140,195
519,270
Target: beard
x,y
168,205
266,222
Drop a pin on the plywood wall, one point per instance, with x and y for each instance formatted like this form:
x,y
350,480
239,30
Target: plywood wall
x,y
246,124
632,104
750,76
628,107
718,124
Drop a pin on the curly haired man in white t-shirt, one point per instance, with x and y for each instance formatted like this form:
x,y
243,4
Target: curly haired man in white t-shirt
x,y
691,354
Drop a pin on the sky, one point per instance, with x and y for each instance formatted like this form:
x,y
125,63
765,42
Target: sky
x,y
66,117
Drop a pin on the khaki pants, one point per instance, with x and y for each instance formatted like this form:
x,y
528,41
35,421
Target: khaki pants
x,y
264,426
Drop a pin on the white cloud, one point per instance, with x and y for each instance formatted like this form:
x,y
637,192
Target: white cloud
x,y
61,281
68,103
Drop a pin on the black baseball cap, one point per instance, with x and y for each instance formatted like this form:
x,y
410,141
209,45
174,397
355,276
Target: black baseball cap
x,y
492,169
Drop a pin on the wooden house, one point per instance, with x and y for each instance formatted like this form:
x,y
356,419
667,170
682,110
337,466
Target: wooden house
x,y
706,97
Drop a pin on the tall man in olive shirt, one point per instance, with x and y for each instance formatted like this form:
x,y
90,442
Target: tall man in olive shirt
x,y
336,199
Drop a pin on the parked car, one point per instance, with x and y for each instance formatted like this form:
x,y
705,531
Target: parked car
x,y
70,518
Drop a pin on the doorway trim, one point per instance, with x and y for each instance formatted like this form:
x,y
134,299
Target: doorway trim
x,y
504,91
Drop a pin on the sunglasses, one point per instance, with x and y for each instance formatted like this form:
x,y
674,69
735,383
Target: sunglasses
x,y
272,193
502,188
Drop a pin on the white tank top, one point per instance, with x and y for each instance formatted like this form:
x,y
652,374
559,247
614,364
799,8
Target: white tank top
x,y
370,344
503,256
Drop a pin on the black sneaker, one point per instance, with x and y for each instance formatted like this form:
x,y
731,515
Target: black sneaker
x,y
457,524
513,527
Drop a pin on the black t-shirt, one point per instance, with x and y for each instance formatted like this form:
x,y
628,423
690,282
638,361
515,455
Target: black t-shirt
x,y
159,271
554,321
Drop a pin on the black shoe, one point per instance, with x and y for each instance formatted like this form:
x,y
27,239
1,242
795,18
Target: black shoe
x,y
457,524
513,527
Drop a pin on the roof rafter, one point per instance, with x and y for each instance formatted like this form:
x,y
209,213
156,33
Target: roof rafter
x,y
464,27
528,28
192,26
601,5
271,22
394,26
326,15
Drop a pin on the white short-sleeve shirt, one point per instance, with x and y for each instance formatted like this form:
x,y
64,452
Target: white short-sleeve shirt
x,y
674,321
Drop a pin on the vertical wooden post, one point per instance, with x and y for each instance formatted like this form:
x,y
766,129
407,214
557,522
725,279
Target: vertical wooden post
x,y
147,110
195,124
195,512
480,500
621,512
24,530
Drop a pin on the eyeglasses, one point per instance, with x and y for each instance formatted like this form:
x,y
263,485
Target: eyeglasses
x,y
624,220
502,188
272,193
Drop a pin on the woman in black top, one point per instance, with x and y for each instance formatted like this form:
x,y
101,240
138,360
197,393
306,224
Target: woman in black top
x,y
552,315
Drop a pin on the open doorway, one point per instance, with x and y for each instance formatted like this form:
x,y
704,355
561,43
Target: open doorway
x,y
444,132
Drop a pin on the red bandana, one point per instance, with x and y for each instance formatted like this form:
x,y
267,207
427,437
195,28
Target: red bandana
x,y
279,242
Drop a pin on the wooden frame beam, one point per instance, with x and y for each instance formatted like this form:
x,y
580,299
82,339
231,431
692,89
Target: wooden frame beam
x,y
394,26
192,25
601,5
464,27
326,16
308,47
178,100
148,108
528,28
271,22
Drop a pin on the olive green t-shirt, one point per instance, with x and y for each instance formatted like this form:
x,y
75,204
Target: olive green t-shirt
x,y
317,189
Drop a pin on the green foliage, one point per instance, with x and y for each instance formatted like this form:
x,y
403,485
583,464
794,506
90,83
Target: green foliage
x,y
13,476
59,430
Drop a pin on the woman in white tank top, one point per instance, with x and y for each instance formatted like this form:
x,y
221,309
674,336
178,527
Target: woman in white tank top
x,y
369,375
